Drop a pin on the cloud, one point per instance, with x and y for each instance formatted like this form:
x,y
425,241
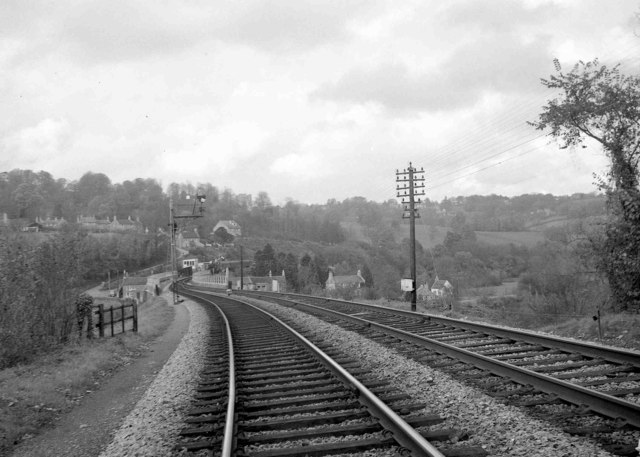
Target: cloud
x,y
93,31
45,141
291,25
299,166
487,65
207,154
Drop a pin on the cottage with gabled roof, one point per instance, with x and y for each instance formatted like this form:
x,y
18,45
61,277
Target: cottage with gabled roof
x,y
135,287
187,239
344,281
269,283
441,287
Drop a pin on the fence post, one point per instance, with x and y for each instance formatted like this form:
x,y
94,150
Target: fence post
x,y
111,312
101,320
135,317
122,316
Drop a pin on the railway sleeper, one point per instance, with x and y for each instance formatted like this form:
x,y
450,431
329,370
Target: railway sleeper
x,y
609,380
261,350
564,367
289,387
508,393
269,411
243,368
299,422
476,344
621,449
316,391
308,400
611,371
543,400
280,378
298,372
249,365
342,447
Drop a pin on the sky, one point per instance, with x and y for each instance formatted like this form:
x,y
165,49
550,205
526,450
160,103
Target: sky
x,y
307,100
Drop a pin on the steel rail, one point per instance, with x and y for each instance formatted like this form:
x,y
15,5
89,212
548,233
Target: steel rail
x,y
405,434
228,443
585,348
604,404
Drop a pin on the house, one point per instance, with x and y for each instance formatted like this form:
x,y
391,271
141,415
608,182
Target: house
x,y
92,224
193,263
232,228
51,224
344,282
189,239
441,287
269,283
126,225
423,293
135,287
33,227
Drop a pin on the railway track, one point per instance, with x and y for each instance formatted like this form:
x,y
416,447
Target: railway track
x,y
268,391
586,389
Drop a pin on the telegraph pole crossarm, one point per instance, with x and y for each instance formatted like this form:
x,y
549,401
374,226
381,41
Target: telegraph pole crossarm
x,y
410,184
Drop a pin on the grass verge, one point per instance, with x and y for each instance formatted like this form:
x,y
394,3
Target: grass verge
x,y
33,395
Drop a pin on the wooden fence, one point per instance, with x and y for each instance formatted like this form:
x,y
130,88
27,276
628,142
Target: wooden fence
x,y
109,318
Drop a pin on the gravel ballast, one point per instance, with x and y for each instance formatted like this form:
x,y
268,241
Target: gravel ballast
x,y
503,431
152,428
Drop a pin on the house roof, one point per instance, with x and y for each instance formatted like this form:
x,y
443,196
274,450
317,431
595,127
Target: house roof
x,y
259,279
348,279
440,284
134,281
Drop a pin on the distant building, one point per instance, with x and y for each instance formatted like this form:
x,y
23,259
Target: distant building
x,y
345,281
189,239
232,228
423,293
136,288
441,287
193,263
51,223
269,283
93,224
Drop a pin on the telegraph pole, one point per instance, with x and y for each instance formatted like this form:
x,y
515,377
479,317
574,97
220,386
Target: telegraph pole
x,y
173,226
241,270
409,187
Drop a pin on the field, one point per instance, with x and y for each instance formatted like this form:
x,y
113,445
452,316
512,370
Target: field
x,y
429,237
528,239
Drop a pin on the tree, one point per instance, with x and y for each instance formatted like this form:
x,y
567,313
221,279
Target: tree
x,y
367,275
222,236
601,104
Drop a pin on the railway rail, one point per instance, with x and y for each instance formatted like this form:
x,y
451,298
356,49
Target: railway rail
x,y
590,390
267,390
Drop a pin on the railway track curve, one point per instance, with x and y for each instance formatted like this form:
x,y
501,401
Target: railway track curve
x,y
267,390
589,390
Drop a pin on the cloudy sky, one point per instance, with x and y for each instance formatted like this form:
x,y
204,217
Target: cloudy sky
x,y
302,99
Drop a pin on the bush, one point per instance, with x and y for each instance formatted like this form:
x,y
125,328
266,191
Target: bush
x,y
38,286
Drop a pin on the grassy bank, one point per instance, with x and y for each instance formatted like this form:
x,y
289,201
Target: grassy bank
x,y
33,395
